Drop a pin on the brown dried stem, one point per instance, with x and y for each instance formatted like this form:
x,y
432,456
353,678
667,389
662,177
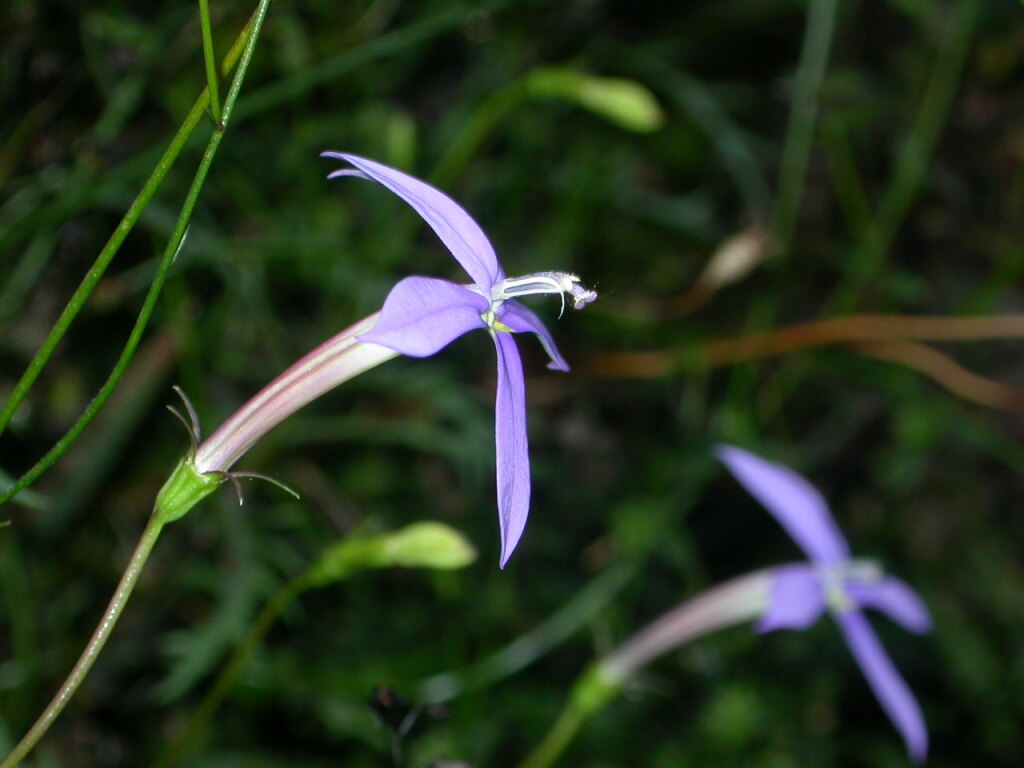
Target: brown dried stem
x,y
947,372
889,337
794,338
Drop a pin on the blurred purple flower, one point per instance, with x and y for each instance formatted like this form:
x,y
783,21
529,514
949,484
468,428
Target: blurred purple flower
x,y
800,593
422,315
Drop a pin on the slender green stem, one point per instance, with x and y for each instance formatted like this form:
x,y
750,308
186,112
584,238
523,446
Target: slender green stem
x,y
228,677
556,740
736,601
95,645
594,689
256,24
525,650
821,20
211,64
250,34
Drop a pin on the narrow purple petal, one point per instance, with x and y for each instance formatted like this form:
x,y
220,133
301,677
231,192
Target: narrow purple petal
x,y
793,501
895,599
522,320
892,692
795,600
456,228
422,315
513,456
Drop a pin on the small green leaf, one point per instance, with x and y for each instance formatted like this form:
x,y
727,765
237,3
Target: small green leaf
x,y
623,102
430,545
420,545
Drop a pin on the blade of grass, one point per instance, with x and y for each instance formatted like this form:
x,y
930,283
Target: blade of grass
x,y
796,151
211,63
249,36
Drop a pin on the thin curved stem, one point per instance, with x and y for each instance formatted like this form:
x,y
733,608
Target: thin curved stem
x,y
890,337
796,338
947,372
736,601
557,739
149,304
525,650
95,645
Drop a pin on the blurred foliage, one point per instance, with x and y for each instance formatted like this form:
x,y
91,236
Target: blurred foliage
x,y
908,118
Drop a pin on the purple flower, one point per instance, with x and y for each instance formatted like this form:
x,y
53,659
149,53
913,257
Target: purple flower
x,y
422,315
800,593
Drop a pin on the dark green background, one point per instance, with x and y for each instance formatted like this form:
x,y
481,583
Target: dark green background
x,y
278,259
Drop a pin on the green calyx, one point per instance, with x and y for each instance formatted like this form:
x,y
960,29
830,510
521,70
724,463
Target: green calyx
x,y
183,490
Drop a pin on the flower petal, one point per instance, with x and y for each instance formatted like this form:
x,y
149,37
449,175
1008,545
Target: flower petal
x,y
793,501
892,691
456,228
795,599
513,458
522,320
421,315
895,599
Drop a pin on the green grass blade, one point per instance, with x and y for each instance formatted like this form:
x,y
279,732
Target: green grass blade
x,y
211,64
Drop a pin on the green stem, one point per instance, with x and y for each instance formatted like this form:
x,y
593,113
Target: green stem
x,y
592,691
183,490
556,740
250,35
211,63
821,19
520,653
96,643
228,677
